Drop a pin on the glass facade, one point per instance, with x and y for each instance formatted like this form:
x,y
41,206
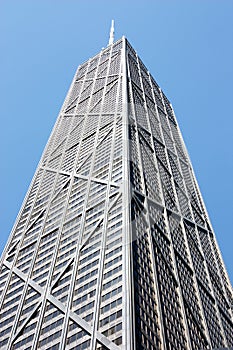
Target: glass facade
x,y
113,248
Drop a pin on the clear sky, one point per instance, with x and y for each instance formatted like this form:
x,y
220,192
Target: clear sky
x,y
186,45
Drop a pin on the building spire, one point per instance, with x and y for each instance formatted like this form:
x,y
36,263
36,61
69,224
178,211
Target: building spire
x,y
111,35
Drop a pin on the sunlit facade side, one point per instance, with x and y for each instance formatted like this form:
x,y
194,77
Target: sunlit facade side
x,y
113,248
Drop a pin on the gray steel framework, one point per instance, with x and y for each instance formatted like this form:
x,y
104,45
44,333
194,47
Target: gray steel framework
x,y
113,247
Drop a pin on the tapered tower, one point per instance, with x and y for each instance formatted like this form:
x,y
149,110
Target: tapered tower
x,y
113,247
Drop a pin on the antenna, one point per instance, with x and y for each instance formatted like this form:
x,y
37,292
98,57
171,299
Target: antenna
x,y
111,35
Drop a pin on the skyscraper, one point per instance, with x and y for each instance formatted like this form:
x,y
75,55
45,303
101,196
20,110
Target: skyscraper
x,y
113,247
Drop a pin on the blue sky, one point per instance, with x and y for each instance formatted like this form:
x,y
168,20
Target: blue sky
x,y
186,45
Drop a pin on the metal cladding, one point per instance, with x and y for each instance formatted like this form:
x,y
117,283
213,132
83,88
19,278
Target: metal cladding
x,y
113,248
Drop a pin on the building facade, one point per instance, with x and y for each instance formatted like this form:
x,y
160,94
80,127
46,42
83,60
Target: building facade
x,y
113,248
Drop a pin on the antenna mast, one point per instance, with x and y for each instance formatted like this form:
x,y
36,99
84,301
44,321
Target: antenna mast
x,y
111,35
